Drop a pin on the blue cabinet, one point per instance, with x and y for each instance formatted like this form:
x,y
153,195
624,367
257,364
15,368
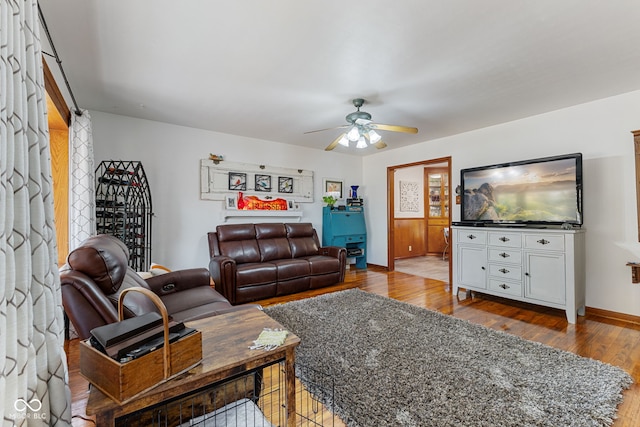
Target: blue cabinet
x,y
346,228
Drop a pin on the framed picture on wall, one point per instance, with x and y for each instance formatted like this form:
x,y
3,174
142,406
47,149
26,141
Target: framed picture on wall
x,y
263,182
230,201
333,187
237,181
285,184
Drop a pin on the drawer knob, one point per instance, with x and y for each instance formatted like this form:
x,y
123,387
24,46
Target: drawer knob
x,y
504,239
471,237
504,286
527,274
504,255
543,242
503,271
483,268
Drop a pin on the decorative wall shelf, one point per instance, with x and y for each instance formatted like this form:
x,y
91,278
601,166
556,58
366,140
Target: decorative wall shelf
x,y
635,272
219,179
261,215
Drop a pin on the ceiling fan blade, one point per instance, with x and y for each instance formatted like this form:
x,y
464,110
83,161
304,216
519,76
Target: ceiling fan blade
x,y
322,130
334,143
380,144
394,128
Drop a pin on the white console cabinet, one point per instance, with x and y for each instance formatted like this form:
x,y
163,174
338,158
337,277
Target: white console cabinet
x,y
539,266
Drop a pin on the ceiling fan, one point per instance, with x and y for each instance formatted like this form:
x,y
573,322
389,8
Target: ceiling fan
x,y
362,130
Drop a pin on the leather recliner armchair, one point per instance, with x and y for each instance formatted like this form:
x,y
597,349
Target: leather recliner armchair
x,y
97,271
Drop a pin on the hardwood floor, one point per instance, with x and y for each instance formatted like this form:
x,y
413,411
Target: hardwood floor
x,y
616,342
430,267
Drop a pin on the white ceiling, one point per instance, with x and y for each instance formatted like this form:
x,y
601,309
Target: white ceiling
x,y
276,69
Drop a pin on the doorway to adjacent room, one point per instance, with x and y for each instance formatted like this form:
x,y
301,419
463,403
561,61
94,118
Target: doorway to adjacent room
x,y
419,218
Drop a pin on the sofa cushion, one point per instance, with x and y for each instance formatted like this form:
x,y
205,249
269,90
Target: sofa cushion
x,y
272,241
194,303
255,273
320,264
302,239
291,268
238,241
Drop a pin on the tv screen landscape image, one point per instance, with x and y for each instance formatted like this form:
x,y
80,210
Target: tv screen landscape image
x,y
537,191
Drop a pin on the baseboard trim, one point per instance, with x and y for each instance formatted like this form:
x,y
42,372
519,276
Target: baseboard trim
x,y
614,315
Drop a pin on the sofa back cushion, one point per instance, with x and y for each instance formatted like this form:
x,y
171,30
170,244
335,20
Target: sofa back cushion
x,y
303,239
272,242
238,241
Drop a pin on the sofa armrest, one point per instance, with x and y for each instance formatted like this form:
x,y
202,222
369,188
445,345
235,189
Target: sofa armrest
x,y
333,251
178,281
223,273
85,304
336,252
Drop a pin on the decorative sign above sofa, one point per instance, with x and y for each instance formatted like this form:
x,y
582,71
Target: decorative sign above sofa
x,y
218,179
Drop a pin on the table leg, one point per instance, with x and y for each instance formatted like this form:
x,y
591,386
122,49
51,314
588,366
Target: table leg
x,y
105,419
290,377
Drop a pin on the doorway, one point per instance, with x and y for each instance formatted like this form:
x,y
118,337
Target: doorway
x,y
59,117
418,215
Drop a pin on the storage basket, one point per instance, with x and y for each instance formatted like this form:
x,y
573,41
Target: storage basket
x,y
124,381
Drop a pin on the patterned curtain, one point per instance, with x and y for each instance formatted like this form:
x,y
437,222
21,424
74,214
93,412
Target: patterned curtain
x,y
33,382
82,193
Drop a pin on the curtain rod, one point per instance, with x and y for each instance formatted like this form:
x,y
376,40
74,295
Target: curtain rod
x,y
58,60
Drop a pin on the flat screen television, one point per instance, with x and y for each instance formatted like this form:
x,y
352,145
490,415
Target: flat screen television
x,y
536,192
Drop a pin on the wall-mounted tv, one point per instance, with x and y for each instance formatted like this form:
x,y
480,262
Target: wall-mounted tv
x,y
545,191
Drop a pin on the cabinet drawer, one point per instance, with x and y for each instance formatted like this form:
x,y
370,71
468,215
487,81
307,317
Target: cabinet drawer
x,y
544,242
509,240
477,237
513,272
505,287
510,256
354,239
344,240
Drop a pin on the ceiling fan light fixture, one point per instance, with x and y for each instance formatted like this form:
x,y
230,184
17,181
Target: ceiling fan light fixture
x,y
361,130
353,134
374,136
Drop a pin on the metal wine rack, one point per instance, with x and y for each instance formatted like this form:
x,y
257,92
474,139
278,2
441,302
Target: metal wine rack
x,y
123,208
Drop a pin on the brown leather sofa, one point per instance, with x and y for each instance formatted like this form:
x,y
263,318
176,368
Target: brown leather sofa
x,y
97,271
250,262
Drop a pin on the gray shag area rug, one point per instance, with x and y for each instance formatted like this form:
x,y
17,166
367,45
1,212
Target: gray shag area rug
x,y
395,364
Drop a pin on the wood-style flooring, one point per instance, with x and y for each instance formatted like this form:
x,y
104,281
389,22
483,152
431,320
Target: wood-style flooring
x,y
610,340
430,267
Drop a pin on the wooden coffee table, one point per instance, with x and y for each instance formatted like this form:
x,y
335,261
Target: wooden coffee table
x,y
225,346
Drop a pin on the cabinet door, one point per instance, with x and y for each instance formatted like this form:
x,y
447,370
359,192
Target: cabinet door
x,y
435,239
545,277
471,265
438,193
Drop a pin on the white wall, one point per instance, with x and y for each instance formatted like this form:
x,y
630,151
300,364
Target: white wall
x,y
600,131
171,157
